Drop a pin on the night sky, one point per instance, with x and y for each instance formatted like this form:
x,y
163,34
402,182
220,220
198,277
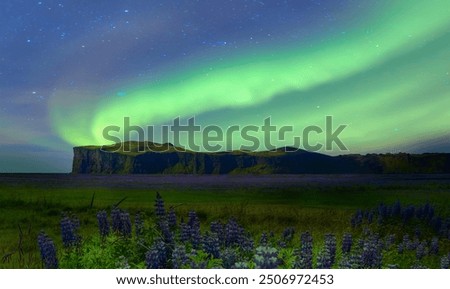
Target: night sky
x,y
68,69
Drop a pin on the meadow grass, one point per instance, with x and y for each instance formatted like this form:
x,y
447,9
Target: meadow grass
x,y
27,209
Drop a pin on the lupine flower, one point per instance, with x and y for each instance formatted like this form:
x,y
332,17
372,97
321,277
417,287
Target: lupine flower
x,y
185,232
179,257
445,262
165,230
69,232
139,225
194,227
305,256
406,243
160,211
216,227
357,218
121,222
125,229
263,241
172,218
282,244
103,223
371,254
434,246
211,245
347,242
330,246
345,263
229,258
266,258
156,257
232,233
116,219
324,260
48,251
246,243
420,251
288,234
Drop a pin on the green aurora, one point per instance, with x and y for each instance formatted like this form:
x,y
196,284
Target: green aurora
x,y
386,77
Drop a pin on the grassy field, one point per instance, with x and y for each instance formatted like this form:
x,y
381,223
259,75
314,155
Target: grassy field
x,y
29,205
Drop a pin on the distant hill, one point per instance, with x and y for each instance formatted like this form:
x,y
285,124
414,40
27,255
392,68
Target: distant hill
x,y
137,158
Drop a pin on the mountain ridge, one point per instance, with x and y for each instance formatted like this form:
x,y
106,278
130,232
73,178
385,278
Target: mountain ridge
x,y
153,158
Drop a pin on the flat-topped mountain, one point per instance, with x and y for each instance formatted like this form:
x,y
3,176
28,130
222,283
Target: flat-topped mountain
x,y
151,158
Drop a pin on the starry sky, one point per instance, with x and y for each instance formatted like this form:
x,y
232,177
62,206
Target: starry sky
x,y
68,69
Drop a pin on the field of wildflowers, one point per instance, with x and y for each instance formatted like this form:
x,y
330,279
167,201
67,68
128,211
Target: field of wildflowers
x,y
386,236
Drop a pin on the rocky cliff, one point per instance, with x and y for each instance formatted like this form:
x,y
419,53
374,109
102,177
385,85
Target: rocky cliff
x,y
136,160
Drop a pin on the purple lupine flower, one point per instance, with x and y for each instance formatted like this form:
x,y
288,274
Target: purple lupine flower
x,y
421,250
229,258
434,246
185,232
69,231
382,213
232,233
324,259
121,222
266,258
116,219
445,262
163,226
125,229
211,245
345,263
347,242
139,225
305,256
264,240
216,227
407,243
194,226
288,234
357,218
330,246
156,257
103,223
172,218
48,251
179,257
246,243
371,253
160,211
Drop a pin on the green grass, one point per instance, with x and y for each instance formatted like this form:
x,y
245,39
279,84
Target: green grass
x,y
25,210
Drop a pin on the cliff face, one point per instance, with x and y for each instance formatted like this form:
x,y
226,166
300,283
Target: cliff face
x,y
93,160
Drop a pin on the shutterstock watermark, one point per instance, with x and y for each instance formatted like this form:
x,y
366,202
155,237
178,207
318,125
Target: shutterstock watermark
x,y
215,139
